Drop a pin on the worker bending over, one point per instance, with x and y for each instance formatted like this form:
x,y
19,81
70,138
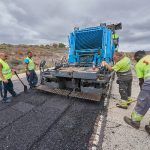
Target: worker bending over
x,y
122,68
30,70
143,101
6,75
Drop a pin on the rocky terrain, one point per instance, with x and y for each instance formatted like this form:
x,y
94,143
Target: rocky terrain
x,y
17,53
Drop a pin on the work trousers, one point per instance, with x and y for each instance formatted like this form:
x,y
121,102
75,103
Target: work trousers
x,y
1,88
8,87
143,102
32,78
125,88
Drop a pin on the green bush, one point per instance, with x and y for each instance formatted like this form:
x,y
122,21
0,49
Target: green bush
x,y
61,45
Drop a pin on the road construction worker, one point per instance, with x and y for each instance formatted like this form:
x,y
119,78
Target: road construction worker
x,y
115,38
124,74
6,75
143,101
30,70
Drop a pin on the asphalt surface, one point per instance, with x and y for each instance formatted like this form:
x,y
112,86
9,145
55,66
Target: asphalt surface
x,y
41,121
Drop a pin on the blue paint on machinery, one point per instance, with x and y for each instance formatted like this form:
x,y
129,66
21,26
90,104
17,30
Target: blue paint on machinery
x,y
82,75
91,45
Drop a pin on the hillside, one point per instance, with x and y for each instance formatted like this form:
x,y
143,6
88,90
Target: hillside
x,y
17,53
50,53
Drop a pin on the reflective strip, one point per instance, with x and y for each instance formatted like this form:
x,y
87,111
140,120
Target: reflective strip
x,y
6,71
136,117
125,73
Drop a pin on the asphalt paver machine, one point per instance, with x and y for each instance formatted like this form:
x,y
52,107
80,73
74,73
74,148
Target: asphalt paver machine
x,y
82,75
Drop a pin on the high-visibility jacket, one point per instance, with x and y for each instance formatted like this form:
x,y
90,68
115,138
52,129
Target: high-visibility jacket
x,y
123,69
115,36
31,64
143,68
6,71
123,65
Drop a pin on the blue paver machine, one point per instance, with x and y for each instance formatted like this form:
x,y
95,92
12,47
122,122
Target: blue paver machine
x,y
82,76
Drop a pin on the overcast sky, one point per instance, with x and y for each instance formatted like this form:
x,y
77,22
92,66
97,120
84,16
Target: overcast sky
x,y
46,21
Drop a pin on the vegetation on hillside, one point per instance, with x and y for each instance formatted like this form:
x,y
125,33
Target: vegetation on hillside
x,y
51,53
17,54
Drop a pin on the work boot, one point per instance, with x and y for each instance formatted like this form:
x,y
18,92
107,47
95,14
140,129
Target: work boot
x,y
123,104
35,86
1,93
16,95
147,128
6,100
134,124
130,100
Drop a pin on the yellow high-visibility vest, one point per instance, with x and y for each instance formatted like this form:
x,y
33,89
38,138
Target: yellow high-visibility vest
x,y
31,65
6,71
115,36
142,68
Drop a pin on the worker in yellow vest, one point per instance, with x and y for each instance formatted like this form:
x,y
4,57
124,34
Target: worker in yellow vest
x,y
122,68
6,75
143,101
115,38
30,70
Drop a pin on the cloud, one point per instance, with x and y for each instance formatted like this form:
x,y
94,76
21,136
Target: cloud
x,y
46,21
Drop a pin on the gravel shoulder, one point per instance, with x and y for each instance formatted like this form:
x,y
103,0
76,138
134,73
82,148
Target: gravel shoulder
x,y
119,135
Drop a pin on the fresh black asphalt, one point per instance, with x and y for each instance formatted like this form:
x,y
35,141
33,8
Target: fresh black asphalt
x,y
41,121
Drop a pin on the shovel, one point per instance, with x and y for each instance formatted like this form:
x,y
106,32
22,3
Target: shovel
x,y
25,87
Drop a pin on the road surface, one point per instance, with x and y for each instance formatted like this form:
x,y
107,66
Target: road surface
x,y
41,121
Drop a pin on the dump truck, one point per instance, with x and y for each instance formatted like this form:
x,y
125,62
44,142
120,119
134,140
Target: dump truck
x,y
81,74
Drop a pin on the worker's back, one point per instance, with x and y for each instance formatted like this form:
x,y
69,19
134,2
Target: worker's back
x,y
143,71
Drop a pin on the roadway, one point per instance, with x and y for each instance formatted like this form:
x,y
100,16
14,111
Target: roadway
x,y
41,121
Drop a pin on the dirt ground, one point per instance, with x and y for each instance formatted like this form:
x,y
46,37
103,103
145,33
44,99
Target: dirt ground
x,y
17,53
119,135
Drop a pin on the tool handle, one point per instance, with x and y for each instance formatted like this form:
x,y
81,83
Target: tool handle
x,y
18,77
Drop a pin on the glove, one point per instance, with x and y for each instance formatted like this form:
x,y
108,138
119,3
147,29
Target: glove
x,y
103,63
